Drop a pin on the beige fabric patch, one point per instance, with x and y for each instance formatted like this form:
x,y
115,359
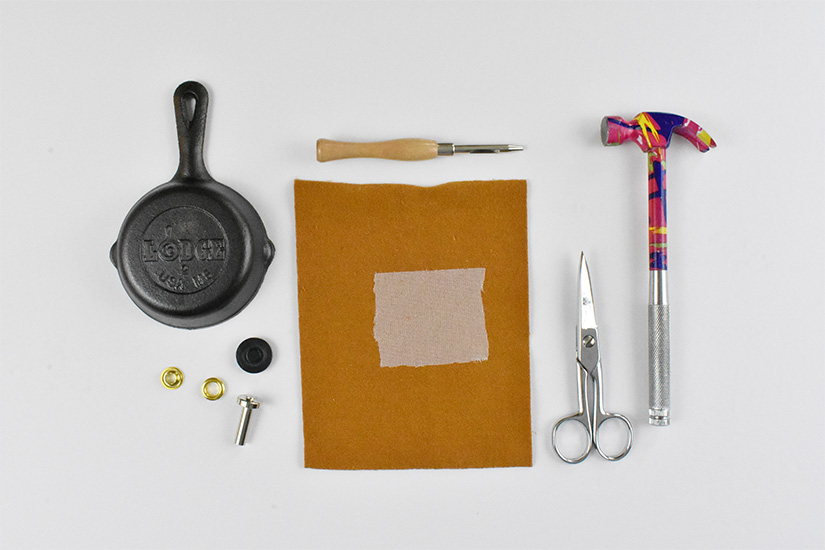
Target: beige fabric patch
x,y
430,317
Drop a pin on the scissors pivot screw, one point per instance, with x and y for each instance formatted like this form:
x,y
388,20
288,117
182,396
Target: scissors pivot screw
x,y
589,341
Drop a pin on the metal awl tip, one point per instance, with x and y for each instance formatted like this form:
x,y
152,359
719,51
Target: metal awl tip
x,y
450,149
509,148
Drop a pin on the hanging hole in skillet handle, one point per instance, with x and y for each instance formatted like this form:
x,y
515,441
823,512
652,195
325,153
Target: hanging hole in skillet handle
x,y
614,437
571,433
191,103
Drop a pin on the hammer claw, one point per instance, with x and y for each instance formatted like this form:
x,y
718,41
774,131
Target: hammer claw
x,y
694,134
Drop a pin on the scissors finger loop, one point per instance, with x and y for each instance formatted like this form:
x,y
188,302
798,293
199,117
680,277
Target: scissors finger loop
x,y
628,441
580,420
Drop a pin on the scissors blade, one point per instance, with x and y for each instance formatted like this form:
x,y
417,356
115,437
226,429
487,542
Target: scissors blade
x,y
587,311
587,347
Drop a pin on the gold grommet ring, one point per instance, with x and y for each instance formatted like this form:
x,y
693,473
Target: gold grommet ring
x,y
172,378
205,388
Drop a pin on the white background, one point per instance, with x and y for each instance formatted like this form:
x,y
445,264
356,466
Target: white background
x,y
95,453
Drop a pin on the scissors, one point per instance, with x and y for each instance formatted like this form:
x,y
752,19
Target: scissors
x,y
591,412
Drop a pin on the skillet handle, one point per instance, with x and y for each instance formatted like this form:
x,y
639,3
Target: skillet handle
x,y
191,125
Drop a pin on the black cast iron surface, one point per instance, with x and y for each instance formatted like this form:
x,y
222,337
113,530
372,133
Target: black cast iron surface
x,y
192,252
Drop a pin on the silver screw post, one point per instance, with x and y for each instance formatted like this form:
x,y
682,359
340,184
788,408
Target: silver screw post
x,y
247,403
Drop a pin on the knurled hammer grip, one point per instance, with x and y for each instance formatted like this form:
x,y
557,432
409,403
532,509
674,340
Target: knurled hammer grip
x,y
652,132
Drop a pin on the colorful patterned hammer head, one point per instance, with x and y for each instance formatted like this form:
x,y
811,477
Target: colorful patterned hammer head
x,y
653,130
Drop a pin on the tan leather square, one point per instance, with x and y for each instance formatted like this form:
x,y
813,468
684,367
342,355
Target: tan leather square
x,y
360,415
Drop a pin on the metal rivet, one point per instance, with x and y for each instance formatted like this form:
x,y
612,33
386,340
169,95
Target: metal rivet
x,y
247,403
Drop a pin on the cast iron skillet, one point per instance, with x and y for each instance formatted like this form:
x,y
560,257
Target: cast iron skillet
x,y
192,252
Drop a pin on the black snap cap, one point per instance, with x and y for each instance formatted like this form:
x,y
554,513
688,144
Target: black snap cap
x,y
254,355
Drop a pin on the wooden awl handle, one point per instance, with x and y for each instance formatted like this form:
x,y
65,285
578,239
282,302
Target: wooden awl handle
x,y
396,149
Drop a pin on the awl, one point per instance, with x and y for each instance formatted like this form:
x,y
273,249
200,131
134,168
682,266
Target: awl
x,y
400,149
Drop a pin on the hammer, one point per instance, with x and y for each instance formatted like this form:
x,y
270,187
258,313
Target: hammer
x,y
651,132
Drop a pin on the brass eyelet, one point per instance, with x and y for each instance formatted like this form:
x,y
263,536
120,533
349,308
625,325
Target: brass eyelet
x,y
205,388
172,378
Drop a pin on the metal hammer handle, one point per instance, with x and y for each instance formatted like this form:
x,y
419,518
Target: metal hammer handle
x,y
658,350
